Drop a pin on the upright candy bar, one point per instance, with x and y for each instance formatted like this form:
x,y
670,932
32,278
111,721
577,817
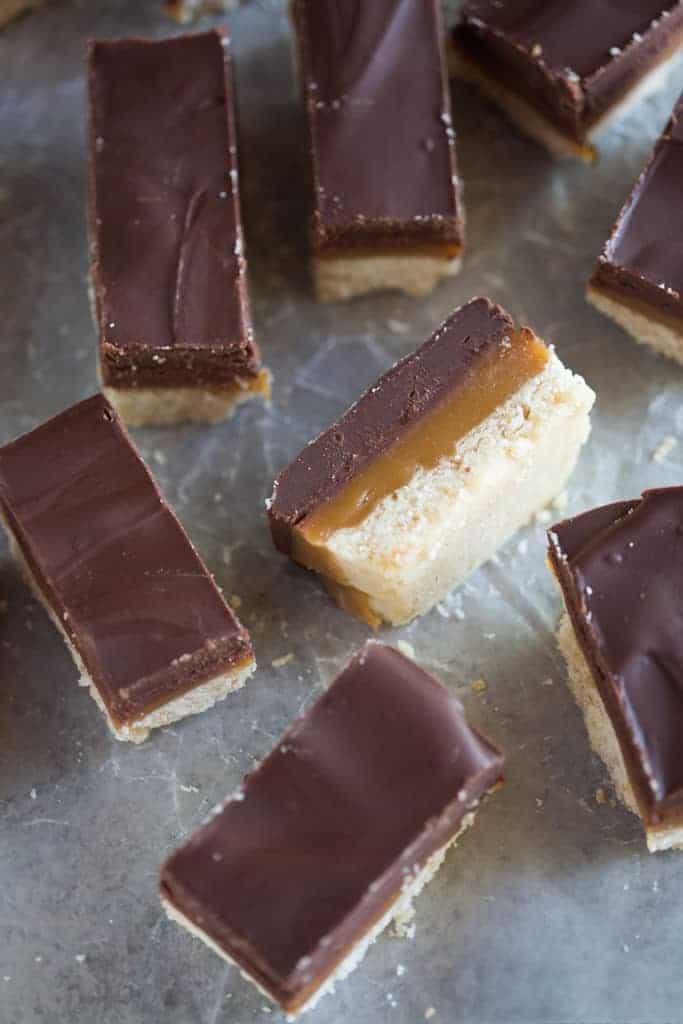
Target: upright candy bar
x,y
435,466
620,569
386,201
638,281
168,267
562,68
336,831
145,623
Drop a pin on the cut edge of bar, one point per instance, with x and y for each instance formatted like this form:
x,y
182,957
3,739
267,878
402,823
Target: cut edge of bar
x,y
602,736
647,330
337,278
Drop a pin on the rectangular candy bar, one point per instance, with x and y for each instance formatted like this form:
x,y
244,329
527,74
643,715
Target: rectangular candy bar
x,y
332,836
387,211
562,68
145,623
620,569
638,281
435,466
168,267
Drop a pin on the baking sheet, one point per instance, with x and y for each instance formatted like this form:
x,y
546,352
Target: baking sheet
x,y
551,909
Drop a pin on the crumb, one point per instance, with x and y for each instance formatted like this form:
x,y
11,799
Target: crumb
x,y
33,794
37,959
235,600
600,797
664,449
479,686
188,789
218,497
548,682
266,1009
400,970
626,948
398,326
489,636
284,660
80,957
429,1012
391,1000
406,648
543,516
159,457
539,801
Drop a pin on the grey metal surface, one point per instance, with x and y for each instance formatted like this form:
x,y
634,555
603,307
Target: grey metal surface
x,y
551,909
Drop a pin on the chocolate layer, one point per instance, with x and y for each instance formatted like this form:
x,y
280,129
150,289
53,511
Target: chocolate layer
x,y
642,260
411,390
168,265
114,564
379,116
570,59
353,800
620,568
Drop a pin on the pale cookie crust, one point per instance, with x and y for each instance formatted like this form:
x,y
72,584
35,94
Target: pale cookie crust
x,y
650,331
602,737
341,277
161,407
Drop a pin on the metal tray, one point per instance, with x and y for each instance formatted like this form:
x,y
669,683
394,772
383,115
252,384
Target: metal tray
x,y
551,909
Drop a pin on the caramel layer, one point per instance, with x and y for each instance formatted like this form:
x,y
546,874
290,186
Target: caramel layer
x,y
492,379
362,248
638,305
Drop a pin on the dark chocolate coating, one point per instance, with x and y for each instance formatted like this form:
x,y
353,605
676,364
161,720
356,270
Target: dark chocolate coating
x,y
354,798
379,118
571,59
113,563
168,269
621,571
643,257
412,388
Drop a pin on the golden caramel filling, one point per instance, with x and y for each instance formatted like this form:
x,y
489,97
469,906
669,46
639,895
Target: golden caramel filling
x,y
496,375
444,251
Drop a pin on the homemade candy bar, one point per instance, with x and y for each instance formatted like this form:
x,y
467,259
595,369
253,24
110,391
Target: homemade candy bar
x,y
168,267
562,68
145,623
436,465
620,570
639,277
387,211
336,831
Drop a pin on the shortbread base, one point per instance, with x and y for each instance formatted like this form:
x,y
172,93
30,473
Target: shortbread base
x,y
538,127
422,540
147,407
648,330
603,738
194,701
337,278
399,911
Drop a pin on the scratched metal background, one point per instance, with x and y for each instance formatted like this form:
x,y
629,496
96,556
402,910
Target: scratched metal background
x,y
551,909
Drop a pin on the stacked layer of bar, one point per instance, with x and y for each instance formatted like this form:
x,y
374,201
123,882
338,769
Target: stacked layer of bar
x,y
620,569
562,68
639,277
147,627
386,203
336,831
434,467
168,266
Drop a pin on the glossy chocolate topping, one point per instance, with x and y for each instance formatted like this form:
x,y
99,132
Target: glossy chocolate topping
x,y
643,257
572,59
354,799
411,389
113,563
379,116
621,571
168,268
